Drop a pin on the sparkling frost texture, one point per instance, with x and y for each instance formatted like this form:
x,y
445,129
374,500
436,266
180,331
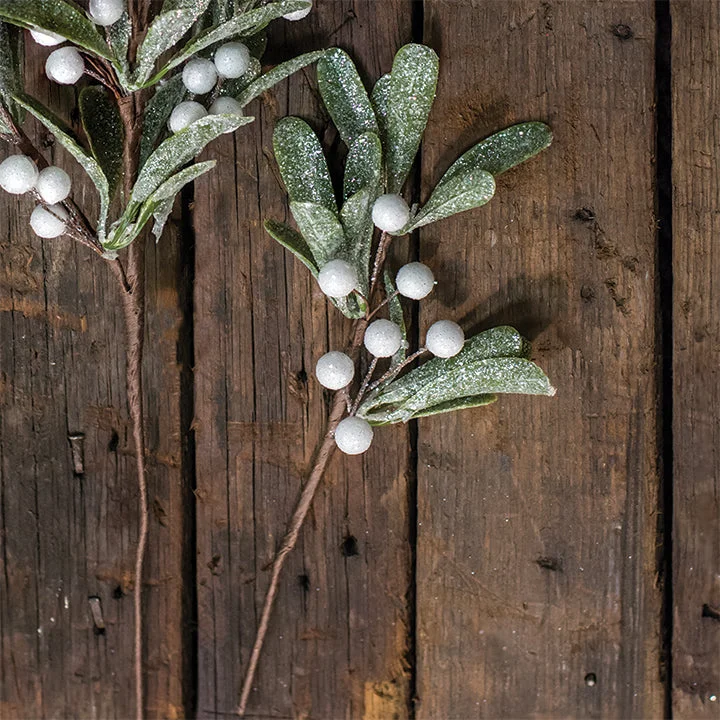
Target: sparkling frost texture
x,y
44,222
53,184
18,174
334,370
226,106
383,338
232,60
298,14
199,76
106,12
415,281
337,278
390,213
353,435
185,114
65,66
444,338
46,38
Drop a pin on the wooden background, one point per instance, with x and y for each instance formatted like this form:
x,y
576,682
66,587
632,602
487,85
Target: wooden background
x,y
537,558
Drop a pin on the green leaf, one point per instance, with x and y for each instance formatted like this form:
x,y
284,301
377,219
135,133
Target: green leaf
x,y
294,242
462,403
397,316
235,86
66,138
467,189
118,36
412,90
179,149
166,30
302,164
274,76
503,150
247,23
104,129
157,113
321,229
345,96
59,17
356,218
363,167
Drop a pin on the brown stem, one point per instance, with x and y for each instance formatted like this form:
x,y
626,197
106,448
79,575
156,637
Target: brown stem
x,y
380,255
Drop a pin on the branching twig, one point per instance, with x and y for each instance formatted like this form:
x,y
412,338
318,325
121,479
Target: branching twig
x,y
364,386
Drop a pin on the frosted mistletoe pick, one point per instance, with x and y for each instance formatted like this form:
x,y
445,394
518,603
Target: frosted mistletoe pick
x,y
345,244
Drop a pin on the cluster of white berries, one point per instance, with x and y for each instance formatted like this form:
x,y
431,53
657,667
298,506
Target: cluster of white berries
x,y
19,174
383,338
201,75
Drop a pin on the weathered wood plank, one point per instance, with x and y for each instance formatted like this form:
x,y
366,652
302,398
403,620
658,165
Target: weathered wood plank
x,y
339,632
65,537
696,358
537,528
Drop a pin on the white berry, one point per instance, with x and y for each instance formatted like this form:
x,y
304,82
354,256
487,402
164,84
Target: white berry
x,y
46,38
353,435
383,338
65,66
390,213
184,114
53,184
298,14
199,76
18,174
337,278
232,60
45,223
226,106
415,281
334,370
106,12
445,338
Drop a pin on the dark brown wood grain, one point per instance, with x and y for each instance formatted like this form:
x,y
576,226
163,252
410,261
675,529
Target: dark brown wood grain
x,y
69,536
696,359
340,630
537,516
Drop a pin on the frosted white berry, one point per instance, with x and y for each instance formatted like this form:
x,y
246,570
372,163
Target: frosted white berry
x,y
46,38
18,174
65,66
415,281
298,14
106,12
199,76
390,213
445,338
232,60
353,435
226,106
334,370
337,278
53,184
184,114
383,338
50,222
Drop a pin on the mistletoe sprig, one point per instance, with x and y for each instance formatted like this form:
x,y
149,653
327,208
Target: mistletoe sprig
x,y
339,244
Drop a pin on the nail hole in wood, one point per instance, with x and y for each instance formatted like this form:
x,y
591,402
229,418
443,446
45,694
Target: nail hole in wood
x,y
349,546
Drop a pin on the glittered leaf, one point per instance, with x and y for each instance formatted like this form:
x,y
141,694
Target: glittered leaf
x,y
345,96
397,316
356,218
66,138
274,76
462,403
104,129
248,23
363,167
157,113
504,149
302,164
179,149
118,36
294,242
380,97
321,229
412,90
465,190
167,29
58,17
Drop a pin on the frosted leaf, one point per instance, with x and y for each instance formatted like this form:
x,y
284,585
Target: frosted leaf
x,y
302,165
411,93
344,95
397,316
321,229
363,167
233,88
294,242
379,99
463,403
466,189
356,218
58,17
118,36
157,112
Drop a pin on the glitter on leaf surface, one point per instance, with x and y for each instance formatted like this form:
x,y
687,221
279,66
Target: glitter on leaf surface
x,y
157,112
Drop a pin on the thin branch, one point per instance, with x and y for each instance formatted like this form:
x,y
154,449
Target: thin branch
x,y
364,386
396,369
380,255
383,304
